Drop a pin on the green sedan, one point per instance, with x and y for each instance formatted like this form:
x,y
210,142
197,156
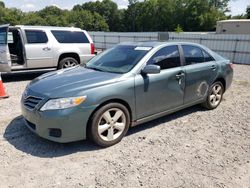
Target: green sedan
x,y
124,86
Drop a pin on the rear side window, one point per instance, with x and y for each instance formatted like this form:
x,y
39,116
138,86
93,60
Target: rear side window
x,y
36,36
192,54
195,55
70,36
207,57
167,57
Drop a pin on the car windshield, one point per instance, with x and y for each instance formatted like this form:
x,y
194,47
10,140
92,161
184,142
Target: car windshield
x,y
120,59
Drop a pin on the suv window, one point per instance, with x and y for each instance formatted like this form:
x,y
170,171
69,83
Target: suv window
x,y
3,35
70,36
36,36
10,38
167,57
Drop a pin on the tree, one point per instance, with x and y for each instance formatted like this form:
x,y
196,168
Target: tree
x,y
87,20
147,15
12,16
33,18
107,9
220,4
248,12
2,4
53,16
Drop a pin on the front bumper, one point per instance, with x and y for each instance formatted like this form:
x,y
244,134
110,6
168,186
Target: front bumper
x,y
71,122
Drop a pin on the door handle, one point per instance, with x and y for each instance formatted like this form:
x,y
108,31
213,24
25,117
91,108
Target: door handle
x,y
213,67
180,75
46,49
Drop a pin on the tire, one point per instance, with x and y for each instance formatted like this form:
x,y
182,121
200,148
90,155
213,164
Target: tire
x,y
109,124
214,97
67,62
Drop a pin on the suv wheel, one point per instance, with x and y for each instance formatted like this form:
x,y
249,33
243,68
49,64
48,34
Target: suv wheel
x,y
67,62
109,124
214,97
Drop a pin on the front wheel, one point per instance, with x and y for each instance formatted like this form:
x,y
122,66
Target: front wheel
x,y
214,97
109,124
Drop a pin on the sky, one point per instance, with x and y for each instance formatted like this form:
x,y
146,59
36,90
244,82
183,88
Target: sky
x,y
236,6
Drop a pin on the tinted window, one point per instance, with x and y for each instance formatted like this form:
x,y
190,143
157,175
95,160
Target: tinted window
x,y
70,36
192,54
10,38
3,35
207,57
120,59
35,36
167,57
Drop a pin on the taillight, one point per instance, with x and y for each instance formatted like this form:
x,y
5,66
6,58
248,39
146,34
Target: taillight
x,y
92,46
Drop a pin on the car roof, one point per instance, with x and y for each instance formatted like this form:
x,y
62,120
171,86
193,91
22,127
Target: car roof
x,y
157,43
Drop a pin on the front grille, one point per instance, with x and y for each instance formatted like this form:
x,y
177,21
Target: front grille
x,y
31,102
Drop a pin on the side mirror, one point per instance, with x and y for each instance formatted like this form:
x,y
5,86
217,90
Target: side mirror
x,y
151,69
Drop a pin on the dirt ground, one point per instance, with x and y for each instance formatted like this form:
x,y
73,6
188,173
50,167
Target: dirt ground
x,y
190,148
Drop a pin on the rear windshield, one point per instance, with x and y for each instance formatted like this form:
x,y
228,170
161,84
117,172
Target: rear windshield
x,y
120,59
70,36
3,35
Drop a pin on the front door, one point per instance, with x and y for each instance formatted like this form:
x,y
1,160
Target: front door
x,y
160,92
38,48
201,70
5,61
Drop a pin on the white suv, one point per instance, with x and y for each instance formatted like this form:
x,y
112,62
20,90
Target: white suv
x,y
35,47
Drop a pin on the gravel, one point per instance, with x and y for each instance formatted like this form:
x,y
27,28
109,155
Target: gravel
x,y
190,148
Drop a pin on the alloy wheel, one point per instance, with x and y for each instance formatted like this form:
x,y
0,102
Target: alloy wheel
x,y
69,63
111,124
216,95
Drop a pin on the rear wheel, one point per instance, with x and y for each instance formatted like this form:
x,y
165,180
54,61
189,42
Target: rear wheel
x,y
109,124
214,97
67,62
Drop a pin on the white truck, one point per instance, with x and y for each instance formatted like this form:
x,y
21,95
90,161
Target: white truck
x,y
43,47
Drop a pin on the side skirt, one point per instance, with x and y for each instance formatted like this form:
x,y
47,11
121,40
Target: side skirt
x,y
164,113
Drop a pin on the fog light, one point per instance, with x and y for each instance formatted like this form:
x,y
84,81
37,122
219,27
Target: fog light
x,y
55,133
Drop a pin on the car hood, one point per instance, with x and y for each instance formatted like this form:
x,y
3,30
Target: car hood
x,y
69,82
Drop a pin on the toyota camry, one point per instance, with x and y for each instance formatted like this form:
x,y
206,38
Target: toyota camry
x,y
124,86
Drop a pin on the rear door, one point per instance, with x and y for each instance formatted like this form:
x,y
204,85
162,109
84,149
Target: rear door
x,y
38,48
5,61
201,70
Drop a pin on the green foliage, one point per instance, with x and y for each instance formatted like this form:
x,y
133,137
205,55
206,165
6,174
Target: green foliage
x,y
2,4
87,20
178,29
248,12
147,15
162,15
107,9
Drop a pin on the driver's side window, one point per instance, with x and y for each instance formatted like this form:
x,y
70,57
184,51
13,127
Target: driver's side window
x,y
167,57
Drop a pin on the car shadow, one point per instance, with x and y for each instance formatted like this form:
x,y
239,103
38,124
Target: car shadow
x,y
21,76
18,135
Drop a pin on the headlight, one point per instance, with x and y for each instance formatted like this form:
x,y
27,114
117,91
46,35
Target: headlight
x,y
62,103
